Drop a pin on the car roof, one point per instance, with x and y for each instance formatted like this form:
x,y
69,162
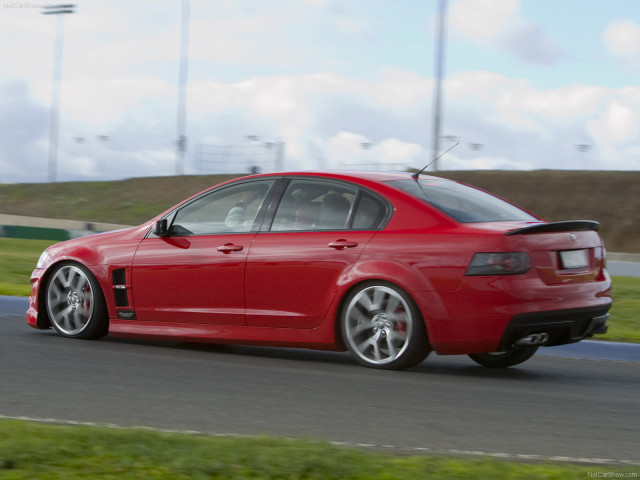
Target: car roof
x,y
375,176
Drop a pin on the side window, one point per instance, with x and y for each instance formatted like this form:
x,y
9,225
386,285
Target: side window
x,y
369,213
227,210
314,205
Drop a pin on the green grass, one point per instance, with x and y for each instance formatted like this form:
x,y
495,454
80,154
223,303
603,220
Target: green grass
x,y
126,202
18,258
31,450
625,312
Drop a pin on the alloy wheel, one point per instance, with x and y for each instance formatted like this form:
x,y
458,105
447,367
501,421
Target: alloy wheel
x,y
71,300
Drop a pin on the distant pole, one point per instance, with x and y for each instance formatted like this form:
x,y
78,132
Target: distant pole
x,y
280,156
181,143
437,88
54,121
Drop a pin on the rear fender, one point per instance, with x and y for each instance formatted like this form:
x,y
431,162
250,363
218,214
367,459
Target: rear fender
x,y
428,301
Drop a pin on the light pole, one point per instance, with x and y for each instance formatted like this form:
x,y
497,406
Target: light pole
x,y
437,88
182,92
58,10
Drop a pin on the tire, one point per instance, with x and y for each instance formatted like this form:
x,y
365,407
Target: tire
x,y
75,303
506,359
382,327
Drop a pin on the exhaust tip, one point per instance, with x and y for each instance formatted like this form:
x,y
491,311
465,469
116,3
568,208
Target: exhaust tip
x,y
534,339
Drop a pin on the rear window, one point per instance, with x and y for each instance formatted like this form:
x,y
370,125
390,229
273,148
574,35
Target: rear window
x,y
462,203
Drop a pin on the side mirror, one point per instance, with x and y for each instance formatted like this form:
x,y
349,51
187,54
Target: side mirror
x,y
161,229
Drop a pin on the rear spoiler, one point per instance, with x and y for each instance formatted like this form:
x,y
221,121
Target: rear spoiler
x,y
568,226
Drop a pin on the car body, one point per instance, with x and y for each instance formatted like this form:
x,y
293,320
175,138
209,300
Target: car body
x,y
389,266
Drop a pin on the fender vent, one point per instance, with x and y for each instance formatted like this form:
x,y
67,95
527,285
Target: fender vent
x,y
120,296
119,277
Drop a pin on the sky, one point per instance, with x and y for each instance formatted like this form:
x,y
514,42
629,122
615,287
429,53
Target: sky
x,y
319,84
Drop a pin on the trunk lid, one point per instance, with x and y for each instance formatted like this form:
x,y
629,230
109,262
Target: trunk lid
x,y
564,252
569,252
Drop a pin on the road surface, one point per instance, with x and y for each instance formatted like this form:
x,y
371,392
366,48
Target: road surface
x,y
549,407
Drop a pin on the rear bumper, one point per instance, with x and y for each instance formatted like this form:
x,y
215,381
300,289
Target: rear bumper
x,y
560,326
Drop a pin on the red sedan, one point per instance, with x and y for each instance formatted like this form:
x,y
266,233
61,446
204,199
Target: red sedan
x,y
389,266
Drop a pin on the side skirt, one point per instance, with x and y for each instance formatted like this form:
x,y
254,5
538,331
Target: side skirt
x,y
321,338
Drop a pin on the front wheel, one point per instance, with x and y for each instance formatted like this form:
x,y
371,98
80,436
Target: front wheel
x,y
75,303
382,327
506,359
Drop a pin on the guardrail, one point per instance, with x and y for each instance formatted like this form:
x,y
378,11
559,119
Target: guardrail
x,y
15,226
623,257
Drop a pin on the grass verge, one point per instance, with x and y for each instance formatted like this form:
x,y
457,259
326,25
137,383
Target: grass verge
x,y
18,258
32,450
625,312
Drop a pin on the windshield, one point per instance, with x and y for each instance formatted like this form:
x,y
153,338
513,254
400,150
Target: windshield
x,y
462,203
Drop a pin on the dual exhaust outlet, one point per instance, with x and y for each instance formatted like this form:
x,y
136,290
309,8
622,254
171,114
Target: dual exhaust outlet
x,y
534,339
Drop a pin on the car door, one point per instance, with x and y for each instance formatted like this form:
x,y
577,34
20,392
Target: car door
x,y
195,274
316,234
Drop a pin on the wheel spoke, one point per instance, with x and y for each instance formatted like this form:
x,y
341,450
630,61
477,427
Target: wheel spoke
x,y
78,319
392,349
358,316
399,337
360,328
364,302
378,297
74,279
64,278
375,340
364,346
62,317
392,305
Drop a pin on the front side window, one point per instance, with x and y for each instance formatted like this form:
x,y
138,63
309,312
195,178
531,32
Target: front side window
x,y
462,203
231,209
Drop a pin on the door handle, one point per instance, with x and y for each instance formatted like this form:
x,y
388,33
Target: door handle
x,y
230,247
342,244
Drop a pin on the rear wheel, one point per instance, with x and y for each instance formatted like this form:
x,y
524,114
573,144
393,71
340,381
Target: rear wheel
x,y
75,304
382,327
506,359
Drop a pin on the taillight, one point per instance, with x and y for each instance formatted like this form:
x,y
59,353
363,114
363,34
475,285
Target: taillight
x,y
499,263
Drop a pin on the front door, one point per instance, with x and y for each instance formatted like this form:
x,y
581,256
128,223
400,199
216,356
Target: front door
x,y
196,273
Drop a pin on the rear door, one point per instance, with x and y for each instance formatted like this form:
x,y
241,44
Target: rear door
x,y
317,233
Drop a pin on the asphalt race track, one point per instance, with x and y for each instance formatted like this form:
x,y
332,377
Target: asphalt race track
x,y
549,407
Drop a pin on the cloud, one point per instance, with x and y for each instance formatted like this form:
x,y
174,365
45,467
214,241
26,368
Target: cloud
x,y
23,128
482,19
328,121
352,26
275,70
540,128
622,39
528,42
351,150
497,23
618,125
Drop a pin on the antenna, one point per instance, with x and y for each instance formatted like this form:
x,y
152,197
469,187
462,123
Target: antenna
x,y
416,175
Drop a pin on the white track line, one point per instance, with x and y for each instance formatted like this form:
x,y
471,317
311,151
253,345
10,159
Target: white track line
x,y
416,450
